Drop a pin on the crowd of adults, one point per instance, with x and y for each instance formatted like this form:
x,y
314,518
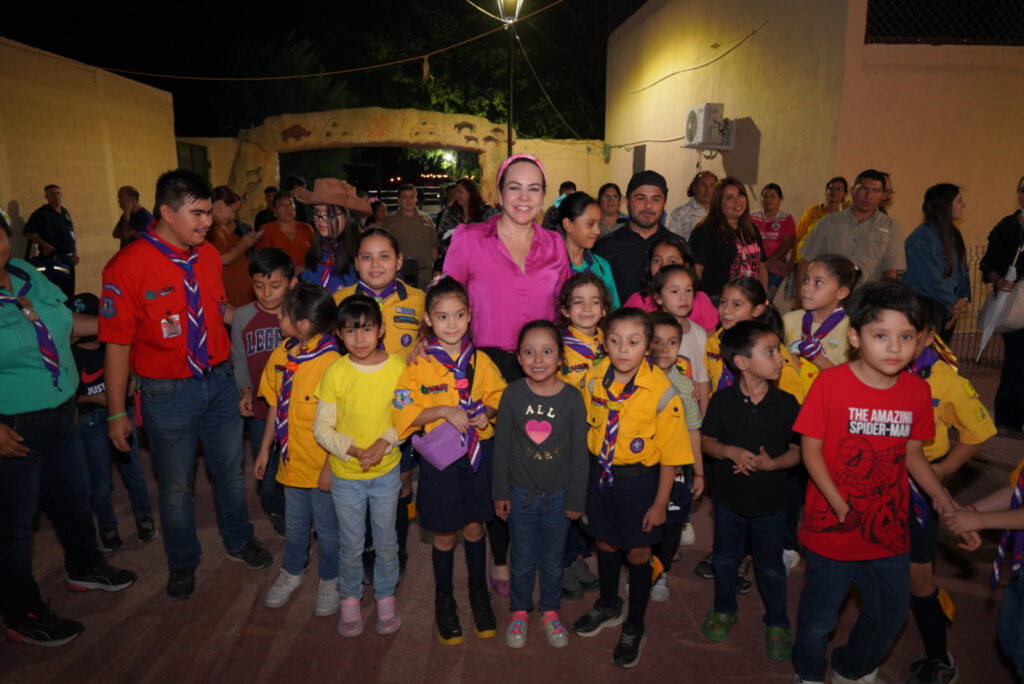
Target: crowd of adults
x,y
503,255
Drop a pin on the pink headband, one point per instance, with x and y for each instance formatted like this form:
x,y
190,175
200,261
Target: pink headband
x,y
520,157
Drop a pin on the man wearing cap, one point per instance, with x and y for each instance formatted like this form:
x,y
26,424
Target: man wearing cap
x,y
161,314
626,249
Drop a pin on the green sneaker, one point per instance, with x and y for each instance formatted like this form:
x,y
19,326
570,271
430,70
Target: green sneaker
x,y
717,625
779,643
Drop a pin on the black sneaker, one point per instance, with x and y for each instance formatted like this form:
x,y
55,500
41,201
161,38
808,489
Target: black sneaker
x,y
599,617
403,560
277,522
253,555
704,568
934,671
446,616
631,643
484,623
146,528
572,588
110,540
101,576
369,558
181,584
44,628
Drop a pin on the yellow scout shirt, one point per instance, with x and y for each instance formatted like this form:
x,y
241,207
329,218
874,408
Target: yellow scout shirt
x,y
789,380
652,430
305,457
401,317
956,405
427,384
835,346
575,366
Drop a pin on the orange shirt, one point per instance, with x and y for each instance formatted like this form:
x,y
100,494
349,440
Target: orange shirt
x,y
236,276
273,236
143,305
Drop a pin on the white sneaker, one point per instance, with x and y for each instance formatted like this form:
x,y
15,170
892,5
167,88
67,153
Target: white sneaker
x,y
328,598
281,590
659,590
791,559
515,632
870,678
688,537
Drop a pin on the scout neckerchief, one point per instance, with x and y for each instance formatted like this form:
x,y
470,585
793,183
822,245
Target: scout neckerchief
x,y
611,428
47,349
1017,536
459,369
327,261
391,288
810,346
197,355
589,351
326,344
394,286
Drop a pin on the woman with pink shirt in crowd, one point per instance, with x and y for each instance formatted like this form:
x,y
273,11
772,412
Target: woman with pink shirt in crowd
x,y
513,270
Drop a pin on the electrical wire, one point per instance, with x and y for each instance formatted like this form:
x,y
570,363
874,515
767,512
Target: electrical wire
x,y
701,66
541,85
336,72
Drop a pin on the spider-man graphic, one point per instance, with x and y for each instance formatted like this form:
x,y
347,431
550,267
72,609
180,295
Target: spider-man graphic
x,y
875,487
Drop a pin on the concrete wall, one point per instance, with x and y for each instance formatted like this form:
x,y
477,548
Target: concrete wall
x,y
781,86
220,152
88,131
580,161
931,114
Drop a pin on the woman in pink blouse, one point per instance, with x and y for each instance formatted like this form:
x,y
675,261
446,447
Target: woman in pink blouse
x,y
512,268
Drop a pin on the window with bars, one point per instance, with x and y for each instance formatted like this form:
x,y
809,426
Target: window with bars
x,y
945,22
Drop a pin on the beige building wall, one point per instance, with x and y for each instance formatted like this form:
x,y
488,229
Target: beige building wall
x,y
931,114
781,86
85,129
220,153
579,161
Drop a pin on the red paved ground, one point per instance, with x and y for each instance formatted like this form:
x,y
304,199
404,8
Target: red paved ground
x,y
225,634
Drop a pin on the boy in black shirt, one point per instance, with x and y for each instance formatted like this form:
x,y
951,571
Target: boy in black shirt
x,y
748,432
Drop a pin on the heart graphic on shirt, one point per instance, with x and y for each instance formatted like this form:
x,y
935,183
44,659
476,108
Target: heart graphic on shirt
x,y
538,430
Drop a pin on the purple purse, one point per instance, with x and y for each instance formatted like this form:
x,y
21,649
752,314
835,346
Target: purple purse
x,y
442,446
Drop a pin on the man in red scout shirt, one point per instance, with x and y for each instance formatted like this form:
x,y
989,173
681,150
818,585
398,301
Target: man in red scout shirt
x,y
161,314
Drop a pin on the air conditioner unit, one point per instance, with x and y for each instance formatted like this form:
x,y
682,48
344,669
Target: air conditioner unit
x,y
708,129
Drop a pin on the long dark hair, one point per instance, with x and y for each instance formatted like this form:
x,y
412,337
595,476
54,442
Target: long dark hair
x,y
716,219
476,202
938,211
344,240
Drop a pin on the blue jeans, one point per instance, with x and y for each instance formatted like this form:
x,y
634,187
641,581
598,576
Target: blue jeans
x,y
1011,623
351,498
177,414
884,586
98,449
766,535
270,490
537,529
300,504
54,471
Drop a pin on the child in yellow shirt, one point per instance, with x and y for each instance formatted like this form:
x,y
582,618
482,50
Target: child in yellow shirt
x,y
288,383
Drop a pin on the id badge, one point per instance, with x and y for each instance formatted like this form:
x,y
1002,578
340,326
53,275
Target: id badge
x,y
171,326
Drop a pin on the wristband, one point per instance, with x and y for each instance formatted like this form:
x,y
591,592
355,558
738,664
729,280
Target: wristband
x,y
699,475
972,507
114,417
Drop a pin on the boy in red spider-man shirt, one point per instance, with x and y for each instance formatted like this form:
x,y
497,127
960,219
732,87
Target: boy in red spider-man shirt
x,y
863,425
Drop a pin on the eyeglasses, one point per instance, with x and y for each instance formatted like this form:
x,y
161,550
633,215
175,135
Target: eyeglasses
x,y
835,188
332,213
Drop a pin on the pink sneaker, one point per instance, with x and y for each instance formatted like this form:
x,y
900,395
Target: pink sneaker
x,y
351,623
388,621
